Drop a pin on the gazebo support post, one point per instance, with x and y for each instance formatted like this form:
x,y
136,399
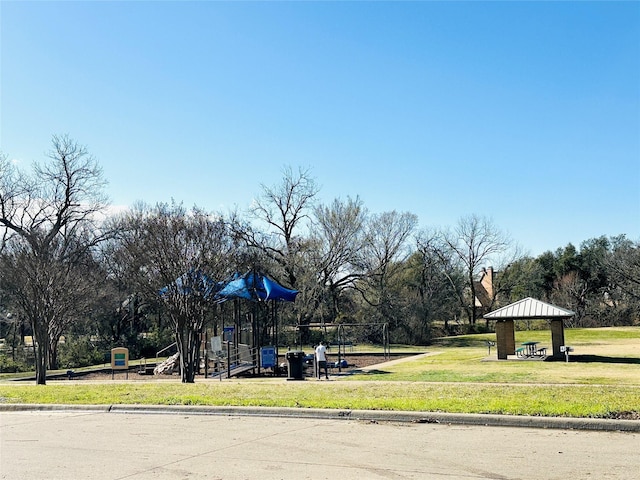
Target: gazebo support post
x,y
505,338
557,336
510,333
501,344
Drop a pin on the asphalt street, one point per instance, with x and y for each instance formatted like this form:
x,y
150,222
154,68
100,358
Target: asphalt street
x,y
78,444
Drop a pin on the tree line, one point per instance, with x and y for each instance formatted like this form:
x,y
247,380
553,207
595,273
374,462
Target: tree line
x,y
135,279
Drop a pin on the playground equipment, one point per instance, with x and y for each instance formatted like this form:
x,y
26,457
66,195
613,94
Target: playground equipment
x,y
342,339
231,361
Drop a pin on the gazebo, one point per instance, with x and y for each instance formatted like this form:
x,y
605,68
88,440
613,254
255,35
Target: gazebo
x,y
527,309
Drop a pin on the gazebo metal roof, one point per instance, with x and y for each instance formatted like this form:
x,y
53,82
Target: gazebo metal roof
x,y
529,308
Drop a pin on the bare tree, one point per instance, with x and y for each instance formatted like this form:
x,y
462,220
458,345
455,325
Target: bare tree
x,y
338,235
282,209
473,243
178,256
386,248
49,223
438,282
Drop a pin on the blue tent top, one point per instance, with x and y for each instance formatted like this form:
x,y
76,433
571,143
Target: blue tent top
x,y
255,286
192,282
250,286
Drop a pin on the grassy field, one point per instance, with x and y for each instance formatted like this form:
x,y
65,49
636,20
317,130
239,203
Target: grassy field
x,y
603,356
457,375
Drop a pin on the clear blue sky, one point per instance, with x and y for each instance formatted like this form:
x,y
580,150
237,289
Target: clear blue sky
x,y
524,112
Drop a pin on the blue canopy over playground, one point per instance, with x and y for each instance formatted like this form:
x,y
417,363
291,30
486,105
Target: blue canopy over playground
x,y
255,286
251,285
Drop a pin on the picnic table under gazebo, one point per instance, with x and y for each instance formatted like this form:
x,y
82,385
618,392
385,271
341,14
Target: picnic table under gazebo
x,y
528,309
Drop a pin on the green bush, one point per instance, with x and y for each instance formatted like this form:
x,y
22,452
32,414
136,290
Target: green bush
x,y
79,352
7,365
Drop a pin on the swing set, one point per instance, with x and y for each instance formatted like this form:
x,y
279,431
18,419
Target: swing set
x,y
342,342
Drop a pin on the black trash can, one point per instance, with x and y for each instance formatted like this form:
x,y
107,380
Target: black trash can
x,y
295,362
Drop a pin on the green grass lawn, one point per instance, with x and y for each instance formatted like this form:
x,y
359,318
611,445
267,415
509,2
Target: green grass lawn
x,y
458,376
608,356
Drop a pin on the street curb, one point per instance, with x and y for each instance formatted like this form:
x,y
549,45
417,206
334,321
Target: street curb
x,y
562,423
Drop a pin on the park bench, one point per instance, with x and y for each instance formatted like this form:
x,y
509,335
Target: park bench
x,y
520,352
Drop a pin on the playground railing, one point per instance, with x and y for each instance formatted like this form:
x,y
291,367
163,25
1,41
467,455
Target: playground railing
x,y
232,360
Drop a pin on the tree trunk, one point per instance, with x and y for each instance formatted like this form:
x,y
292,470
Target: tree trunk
x,y
41,351
187,343
472,306
53,355
333,314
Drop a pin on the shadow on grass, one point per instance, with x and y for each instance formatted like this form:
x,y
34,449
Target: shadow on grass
x,y
370,372
459,342
602,359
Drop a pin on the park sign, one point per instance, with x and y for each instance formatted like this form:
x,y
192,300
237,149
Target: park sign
x,y
119,359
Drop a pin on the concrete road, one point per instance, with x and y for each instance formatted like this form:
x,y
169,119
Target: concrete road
x,y
83,445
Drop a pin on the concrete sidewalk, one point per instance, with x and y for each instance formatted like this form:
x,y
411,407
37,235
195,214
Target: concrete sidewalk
x,y
139,443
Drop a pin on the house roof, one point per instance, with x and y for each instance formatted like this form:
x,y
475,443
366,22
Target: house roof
x,y
529,308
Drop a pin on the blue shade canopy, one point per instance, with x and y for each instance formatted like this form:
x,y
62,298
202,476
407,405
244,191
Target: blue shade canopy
x,y
255,286
190,283
275,291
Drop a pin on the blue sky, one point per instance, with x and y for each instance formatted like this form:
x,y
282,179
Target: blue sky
x,y
524,112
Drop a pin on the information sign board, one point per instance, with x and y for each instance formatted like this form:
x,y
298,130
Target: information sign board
x,y
120,358
228,334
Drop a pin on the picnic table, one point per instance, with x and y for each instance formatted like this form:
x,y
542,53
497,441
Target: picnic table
x,y
530,349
